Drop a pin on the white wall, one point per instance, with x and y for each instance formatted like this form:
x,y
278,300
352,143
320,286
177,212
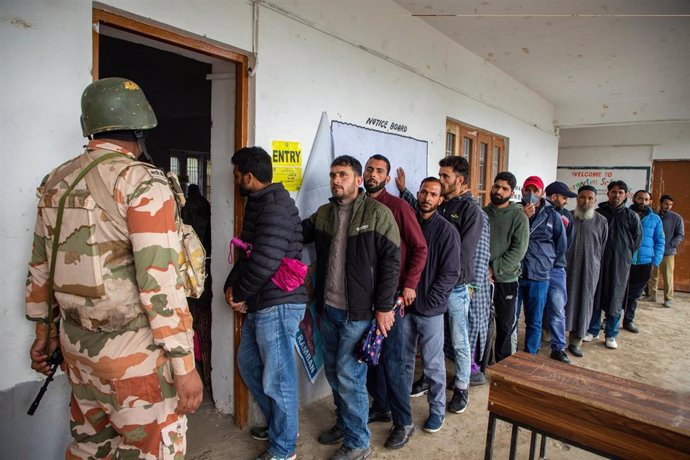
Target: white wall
x,y
46,64
354,60
407,72
632,145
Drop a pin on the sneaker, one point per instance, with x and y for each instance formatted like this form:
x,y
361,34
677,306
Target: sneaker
x,y
419,388
589,337
559,355
400,435
477,378
351,453
433,423
648,298
332,436
611,343
631,327
575,351
260,433
266,455
458,404
667,303
379,416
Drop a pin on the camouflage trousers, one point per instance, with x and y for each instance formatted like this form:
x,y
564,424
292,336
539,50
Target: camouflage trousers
x,y
123,399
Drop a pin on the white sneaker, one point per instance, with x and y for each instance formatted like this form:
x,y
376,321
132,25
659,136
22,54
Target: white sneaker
x,y
589,337
611,342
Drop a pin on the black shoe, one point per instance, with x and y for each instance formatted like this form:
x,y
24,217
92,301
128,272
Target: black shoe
x,y
350,453
575,351
559,355
461,398
332,436
419,388
260,433
631,327
379,416
477,378
399,436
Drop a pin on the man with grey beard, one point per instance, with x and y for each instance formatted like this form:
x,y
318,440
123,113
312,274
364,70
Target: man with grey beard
x,y
586,249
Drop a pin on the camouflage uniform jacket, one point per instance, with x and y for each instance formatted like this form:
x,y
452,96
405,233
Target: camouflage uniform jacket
x,y
108,278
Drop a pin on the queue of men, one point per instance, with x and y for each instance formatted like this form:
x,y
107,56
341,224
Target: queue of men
x,y
104,286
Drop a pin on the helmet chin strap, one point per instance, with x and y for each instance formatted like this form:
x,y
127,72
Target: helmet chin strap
x,y
141,140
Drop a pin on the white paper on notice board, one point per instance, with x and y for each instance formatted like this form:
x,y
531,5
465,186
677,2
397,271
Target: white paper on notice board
x,y
404,151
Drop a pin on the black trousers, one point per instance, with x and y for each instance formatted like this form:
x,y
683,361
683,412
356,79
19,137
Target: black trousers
x,y
386,382
639,275
505,298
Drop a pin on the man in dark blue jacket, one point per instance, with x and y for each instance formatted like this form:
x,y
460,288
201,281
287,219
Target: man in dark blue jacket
x,y
460,209
265,356
674,234
425,323
557,194
547,245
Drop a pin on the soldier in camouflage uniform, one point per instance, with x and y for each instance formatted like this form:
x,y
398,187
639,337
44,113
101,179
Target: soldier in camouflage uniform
x,y
124,327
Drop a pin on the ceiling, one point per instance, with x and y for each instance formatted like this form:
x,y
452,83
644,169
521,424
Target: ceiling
x,y
631,55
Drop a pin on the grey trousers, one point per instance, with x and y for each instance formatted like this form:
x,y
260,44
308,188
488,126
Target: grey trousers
x,y
428,332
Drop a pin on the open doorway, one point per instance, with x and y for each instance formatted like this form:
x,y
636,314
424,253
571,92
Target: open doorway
x,y
177,88
198,90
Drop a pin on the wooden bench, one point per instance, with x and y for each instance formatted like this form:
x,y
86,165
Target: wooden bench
x,y
597,412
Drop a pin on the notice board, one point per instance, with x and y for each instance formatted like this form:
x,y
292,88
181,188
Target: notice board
x,y
404,151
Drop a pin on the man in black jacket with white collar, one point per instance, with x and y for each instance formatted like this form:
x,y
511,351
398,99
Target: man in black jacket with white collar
x,y
265,356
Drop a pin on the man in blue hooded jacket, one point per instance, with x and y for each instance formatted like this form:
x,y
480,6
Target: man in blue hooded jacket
x,y
546,250
650,252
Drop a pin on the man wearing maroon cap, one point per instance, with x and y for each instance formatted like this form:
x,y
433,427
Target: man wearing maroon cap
x,y
547,245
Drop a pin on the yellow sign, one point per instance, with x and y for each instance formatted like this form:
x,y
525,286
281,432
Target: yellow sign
x,y
287,164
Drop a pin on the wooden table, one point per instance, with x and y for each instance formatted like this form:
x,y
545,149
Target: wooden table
x,y
598,412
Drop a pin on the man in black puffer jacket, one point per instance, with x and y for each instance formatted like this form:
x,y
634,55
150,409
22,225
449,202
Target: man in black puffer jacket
x,y
265,358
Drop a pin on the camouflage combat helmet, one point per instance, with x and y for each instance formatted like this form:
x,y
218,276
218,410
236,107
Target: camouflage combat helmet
x,y
115,104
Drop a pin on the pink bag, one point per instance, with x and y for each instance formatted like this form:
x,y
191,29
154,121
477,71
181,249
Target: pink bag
x,y
290,275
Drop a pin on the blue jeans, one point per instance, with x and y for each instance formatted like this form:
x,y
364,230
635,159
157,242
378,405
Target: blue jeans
x,y
533,295
266,362
610,327
554,311
458,311
386,382
428,332
346,375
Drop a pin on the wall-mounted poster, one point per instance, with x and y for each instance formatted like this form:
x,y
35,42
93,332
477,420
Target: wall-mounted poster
x,y
400,150
287,164
636,177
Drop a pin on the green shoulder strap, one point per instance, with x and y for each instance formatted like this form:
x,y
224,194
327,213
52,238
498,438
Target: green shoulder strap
x,y
56,238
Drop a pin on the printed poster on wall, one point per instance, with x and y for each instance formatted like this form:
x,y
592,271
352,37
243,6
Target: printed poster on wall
x,y
287,164
637,178
401,151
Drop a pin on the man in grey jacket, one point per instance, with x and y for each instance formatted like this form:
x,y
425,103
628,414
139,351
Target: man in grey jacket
x,y
674,232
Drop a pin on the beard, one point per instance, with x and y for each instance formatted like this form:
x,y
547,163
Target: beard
x,y
374,188
641,208
584,213
244,192
497,200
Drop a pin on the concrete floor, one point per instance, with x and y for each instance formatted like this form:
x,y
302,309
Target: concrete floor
x,y
657,355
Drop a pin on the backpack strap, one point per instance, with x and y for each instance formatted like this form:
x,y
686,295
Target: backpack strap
x,y
58,229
